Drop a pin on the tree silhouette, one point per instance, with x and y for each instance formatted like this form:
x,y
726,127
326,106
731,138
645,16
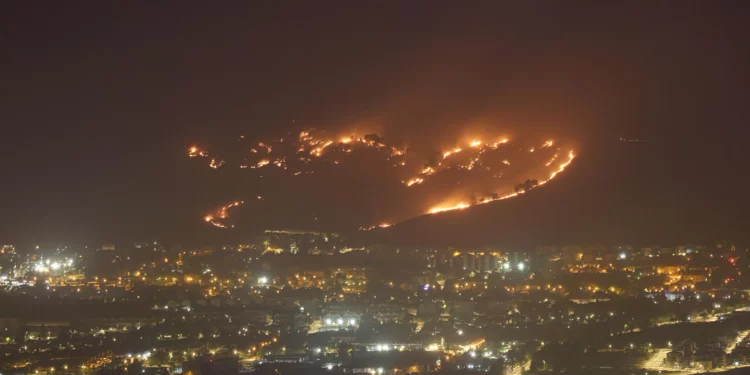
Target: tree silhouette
x,y
374,138
526,185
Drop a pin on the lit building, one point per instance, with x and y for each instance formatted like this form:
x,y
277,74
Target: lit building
x,y
107,247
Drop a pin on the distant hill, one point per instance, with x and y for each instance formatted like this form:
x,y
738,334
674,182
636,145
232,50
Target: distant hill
x,y
614,193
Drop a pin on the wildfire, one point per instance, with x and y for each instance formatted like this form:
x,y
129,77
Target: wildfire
x,y
221,214
303,155
449,153
381,225
414,181
562,167
459,206
500,142
554,157
195,151
261,163
397,151
318,151
427,171
216,164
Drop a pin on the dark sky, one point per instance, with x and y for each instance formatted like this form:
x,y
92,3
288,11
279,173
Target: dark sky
x,y
99,100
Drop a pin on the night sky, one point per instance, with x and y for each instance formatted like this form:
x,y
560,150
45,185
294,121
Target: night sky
x,y
100,101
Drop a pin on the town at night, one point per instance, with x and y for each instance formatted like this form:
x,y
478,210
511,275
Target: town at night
x,y
358,187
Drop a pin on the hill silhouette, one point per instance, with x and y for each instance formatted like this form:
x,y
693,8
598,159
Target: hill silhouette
x,y
614,193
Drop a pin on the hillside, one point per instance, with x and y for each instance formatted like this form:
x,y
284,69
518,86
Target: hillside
x,y
616,193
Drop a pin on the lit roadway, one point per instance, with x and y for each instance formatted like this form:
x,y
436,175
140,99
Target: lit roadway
x,y
730,347
708,319
657,360
518,370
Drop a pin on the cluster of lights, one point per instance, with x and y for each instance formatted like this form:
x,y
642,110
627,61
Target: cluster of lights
x,y
142,356
340,322
507,266
47,265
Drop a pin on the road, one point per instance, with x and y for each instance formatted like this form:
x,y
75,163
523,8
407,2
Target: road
x,y
518,370
656,361
708,319
734,343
